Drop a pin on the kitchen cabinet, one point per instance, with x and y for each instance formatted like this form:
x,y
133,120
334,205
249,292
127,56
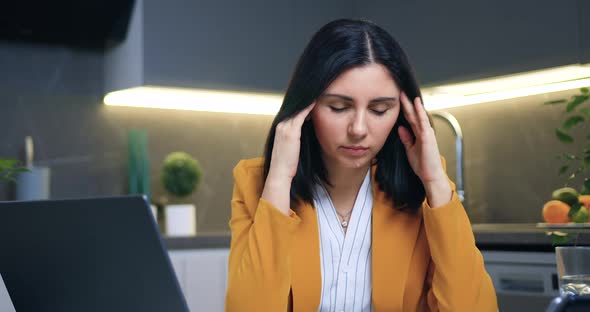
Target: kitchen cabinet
x,y
583,13
464,40
202,275
227,44
524,281
310,15
254,45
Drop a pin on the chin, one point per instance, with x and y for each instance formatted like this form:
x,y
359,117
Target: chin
x,y
354,163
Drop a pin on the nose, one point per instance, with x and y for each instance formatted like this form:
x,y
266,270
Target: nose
x,y
358,125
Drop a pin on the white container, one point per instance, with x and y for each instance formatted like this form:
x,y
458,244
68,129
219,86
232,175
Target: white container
x,y
181,220
33,185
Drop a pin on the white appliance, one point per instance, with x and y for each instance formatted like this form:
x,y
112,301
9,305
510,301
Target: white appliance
x,y
524,281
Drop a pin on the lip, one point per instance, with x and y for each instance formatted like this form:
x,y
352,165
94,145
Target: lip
x,y
355,150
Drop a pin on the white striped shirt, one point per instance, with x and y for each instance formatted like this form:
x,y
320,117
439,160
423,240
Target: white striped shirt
x,y
345,259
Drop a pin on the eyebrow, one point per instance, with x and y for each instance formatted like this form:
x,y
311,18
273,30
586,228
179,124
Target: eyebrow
x,y
349,99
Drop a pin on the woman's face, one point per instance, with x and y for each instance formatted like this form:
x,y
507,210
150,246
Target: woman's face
x,y
355,114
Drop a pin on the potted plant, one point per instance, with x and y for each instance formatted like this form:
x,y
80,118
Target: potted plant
x,y
570,204
8,168
181,175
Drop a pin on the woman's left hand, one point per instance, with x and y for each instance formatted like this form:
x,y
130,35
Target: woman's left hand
x,y
422,153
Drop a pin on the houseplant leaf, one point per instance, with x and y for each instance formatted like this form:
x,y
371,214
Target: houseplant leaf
x,y
563,136
575,102
555,102
563,169
7,163
586,187
558,238
572,121
585,111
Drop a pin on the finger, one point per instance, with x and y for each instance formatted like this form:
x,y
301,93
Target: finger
x,y
299,118
423,120
405,137
409,111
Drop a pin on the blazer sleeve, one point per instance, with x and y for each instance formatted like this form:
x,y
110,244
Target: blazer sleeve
x,y
457,276
259,277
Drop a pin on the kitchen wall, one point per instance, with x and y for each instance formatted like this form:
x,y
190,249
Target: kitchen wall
x,y
510,156
54,94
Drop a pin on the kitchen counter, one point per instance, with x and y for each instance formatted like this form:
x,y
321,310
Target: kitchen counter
x,y
488,236
521,237
199,241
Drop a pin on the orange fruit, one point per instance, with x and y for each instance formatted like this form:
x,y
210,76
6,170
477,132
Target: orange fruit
x,y
585,201
555,211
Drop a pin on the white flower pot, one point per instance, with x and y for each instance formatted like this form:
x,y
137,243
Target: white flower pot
x,y
181,220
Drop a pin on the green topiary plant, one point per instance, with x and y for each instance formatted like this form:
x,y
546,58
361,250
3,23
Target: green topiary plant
x,y
181,174
9,167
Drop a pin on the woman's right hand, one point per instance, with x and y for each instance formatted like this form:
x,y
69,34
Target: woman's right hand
x,y
284,160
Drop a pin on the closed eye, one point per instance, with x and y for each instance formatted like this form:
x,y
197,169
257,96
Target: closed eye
x,y
338,109
379,112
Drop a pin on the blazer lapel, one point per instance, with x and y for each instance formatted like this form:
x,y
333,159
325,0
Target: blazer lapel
x,y
305,262
394,235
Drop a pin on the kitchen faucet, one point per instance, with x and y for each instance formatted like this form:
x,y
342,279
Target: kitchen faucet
x,y
450,119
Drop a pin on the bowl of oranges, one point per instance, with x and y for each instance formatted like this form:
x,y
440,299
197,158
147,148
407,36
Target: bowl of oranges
x,y
567,208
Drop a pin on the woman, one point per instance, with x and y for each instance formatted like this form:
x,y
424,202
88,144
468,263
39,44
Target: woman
x,y
350,209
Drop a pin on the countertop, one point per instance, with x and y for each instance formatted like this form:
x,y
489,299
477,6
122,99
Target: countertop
x,y
199,241
522,236
488,236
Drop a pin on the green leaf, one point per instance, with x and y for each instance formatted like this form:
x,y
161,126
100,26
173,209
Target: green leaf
x,y
563,169
18,170
568,156
585,111
555,102
563,136
575,102
558,238
7,163
574,209
584,90
587,161
572,121
586,188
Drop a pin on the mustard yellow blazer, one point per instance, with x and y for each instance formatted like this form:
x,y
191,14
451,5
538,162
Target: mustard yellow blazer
x,y
423,262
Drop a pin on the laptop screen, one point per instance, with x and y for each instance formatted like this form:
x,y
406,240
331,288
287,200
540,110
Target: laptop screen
x,y
5,302
97,254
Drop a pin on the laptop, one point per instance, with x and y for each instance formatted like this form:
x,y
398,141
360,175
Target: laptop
x,y
5,302
95,254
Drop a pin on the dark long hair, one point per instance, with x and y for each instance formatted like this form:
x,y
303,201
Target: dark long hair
x,y
338,46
